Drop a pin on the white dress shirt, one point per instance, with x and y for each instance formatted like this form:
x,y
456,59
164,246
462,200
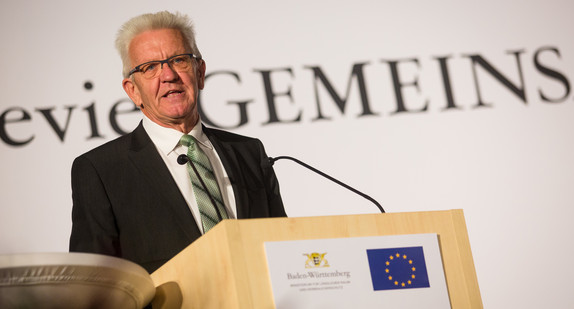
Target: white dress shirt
x,y
166,141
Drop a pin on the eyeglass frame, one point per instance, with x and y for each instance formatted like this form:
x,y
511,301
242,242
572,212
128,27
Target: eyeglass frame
x,y
137,68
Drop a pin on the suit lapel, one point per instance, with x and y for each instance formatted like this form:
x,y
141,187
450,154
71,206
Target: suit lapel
x,y
228,158
145,157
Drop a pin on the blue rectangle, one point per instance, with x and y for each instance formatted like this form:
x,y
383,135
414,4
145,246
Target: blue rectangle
x,y
398,268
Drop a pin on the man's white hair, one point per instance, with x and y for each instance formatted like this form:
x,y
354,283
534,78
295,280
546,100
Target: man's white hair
x,y
154,21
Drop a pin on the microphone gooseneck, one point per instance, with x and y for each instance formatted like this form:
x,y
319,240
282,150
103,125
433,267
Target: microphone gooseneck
x,y
182,159
272,161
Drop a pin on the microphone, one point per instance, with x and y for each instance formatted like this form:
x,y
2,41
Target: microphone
x,y
272,161
182,159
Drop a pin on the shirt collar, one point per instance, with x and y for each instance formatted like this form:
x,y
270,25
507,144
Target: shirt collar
x,y
167,139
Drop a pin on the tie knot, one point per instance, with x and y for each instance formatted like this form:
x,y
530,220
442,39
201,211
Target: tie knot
x,y
187,140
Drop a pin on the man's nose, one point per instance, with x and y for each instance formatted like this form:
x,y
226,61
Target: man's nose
x,y
167,72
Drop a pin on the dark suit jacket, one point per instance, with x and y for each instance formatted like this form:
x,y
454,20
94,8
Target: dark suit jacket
x,y
127,204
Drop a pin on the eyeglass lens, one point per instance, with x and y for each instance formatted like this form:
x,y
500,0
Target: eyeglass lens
x,y
179,63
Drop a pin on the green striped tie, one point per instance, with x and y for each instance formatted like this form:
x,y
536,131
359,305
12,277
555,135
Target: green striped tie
x,y
208,213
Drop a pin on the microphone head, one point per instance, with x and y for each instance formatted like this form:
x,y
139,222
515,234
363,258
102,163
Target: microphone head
x,y
182,159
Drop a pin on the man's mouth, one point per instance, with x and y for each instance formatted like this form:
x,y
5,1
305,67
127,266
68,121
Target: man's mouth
x,y
171,93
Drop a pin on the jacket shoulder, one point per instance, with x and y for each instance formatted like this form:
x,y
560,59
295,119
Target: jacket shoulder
x,y
118,148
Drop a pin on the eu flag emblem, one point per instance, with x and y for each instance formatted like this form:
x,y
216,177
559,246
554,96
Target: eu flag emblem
x,y
398,268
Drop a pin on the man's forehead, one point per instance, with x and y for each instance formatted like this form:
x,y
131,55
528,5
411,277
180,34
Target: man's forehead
x,y
157,43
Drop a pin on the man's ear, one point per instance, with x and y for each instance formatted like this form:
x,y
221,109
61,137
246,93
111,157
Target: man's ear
x,y
200,74
132,91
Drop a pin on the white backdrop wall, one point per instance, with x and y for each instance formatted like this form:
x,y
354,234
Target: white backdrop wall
x,y
424,105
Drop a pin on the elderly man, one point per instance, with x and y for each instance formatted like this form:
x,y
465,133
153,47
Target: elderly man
x,y
131,196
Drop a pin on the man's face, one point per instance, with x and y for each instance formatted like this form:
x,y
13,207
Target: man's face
x,y
170,99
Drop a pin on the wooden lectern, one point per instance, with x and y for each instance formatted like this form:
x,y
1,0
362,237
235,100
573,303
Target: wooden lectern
x,y
227,267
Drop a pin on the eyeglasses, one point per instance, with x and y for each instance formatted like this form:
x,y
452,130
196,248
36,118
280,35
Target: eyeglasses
x,y
151,69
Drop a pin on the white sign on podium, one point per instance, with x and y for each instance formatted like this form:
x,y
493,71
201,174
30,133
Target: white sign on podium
x,y
402,271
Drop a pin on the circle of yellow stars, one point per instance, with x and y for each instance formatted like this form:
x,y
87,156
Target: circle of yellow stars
x,y
399,257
